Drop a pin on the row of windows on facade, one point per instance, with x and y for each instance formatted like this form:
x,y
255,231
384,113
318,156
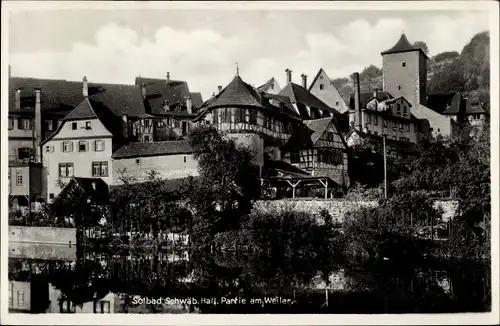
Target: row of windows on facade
x,y
403,139
251,116
99,169
50,125
83,146
100,307
395,125
322,156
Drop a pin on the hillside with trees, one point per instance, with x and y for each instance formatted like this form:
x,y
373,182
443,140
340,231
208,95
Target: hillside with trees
x,y
448,71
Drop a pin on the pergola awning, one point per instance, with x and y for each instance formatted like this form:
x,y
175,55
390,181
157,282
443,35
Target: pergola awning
x,y
304,180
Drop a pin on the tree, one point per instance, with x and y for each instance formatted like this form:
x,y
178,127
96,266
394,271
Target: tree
x,y
221,197
445,56
421,45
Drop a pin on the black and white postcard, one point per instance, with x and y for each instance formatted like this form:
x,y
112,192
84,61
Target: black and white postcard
x,y
249,162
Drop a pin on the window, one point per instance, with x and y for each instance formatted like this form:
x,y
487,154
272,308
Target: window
x,y
49,149
272,86
400,126
88,125
65,170
20,298
399,87
408,127
19,178
99,169
137,161
394,137
51,196
253,116
74,125
439,130
368,119
98,145
329,136
82,146
146,138
49,125
403,64
11,123
24,124
385,123
102,307
321,86
375,120
295,157
405,110
398,110
24,153
67,146
337,103
185,158
320,77
375,133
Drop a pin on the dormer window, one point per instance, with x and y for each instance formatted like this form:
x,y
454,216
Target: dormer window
x,y
74,126
321,87
88,125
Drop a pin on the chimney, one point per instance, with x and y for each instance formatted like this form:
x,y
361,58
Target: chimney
x,y
38,125
143,91
189,104
125,125
288,76
168,78
357,110
219,89
304,80
85,87
375,92
18,99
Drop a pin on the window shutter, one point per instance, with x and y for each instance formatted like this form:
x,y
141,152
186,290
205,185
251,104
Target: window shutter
x,y
20,123
103,143
62,146
94,145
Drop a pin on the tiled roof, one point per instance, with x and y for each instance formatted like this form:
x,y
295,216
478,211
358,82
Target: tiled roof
x,y
302,97
308,133
439,102
365,97
197,99
158,92
84,110
95,188
62,95
318,126
153,149
281,166
265,87
237,93
403,45
466,104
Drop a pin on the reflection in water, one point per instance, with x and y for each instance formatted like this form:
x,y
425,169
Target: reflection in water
x,y
384,287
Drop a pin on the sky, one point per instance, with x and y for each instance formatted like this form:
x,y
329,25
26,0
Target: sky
x,y
202,47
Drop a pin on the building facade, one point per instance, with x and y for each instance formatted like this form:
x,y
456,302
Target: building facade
x,y
404,69
323,88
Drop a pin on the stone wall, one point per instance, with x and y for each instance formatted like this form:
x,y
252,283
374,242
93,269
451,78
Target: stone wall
x,y
337,207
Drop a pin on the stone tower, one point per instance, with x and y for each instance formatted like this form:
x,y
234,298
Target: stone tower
x,y
405,72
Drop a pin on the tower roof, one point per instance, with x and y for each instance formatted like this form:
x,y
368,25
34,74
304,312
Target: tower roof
x,y
403,45
237,93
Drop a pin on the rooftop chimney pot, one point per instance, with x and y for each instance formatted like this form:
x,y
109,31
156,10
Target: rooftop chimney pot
x,y
85,89
304,80
288,76
219,89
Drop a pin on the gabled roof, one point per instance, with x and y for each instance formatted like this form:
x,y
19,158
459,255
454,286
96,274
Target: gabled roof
x,y
169,185
464,103
237,93
62,96
267,85
403,45
197,99
153,149
95,188
158,91
309,132
366,97
321,70
83,110
301,96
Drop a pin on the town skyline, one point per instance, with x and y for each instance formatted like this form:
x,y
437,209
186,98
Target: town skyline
x,y
120,45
